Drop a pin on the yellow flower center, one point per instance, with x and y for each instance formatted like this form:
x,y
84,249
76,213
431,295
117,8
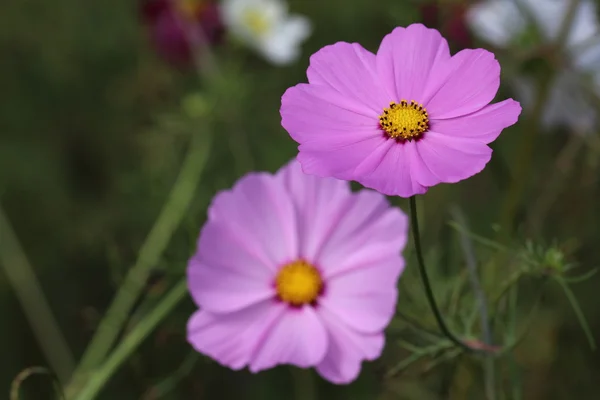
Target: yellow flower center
x,y
406,120
190,8
298,283
257,22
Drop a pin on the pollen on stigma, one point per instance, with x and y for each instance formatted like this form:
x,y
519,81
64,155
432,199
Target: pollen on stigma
x,y
404,120
298,283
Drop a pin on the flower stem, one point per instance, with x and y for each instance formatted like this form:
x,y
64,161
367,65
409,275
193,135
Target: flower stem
x,y
425,279
22,278
209,70
171,215
486,331
567,23
578,312
98,378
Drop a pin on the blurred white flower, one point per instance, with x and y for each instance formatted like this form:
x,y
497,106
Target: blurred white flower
x,y
496,21
503,22
567,104
266,26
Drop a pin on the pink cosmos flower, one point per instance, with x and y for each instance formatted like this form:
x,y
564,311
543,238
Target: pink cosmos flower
x,y
296,269
399,121
172,22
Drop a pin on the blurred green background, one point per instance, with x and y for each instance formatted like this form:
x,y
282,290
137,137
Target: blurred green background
x,y
92,135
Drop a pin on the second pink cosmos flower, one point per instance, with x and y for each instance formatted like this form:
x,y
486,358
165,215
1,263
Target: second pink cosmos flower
x,y
399,121
296,269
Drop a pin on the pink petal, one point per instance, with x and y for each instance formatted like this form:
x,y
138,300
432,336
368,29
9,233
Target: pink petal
x,y
364,297
231,339
298,338
214,249
367,229
318,202
309,112
352,71
484,125
464,84
406,59
221,289
259,212
223,280
335,133
329,159
251,232
393,175
346,351
449,159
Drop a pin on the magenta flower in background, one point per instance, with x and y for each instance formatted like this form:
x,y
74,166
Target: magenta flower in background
x,y
172,23
399,121
296,269
450,18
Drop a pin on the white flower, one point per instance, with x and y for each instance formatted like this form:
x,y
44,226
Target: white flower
x,y
501,22
496,21
266,26
567,103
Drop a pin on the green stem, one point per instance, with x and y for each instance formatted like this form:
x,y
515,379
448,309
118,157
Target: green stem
x,y
208,68
21,276
578,312
169,219
17,383
170,383
425,279
567,23
98,378
481,300
506,286
515,375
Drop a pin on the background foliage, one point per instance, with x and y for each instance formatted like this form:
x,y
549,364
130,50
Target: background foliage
x,y
94,127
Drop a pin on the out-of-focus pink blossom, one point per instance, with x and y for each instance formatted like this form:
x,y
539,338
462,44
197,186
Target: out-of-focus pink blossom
x,y
174,25
450,20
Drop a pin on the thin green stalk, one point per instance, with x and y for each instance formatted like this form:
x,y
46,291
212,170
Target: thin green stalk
x,y
480,239
578,312
17,383
169,219
561,171
515,376
170,383
515,340
417,354
414,325
478,293
567,23
512,281
425,279
208,68
132,341
28,290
